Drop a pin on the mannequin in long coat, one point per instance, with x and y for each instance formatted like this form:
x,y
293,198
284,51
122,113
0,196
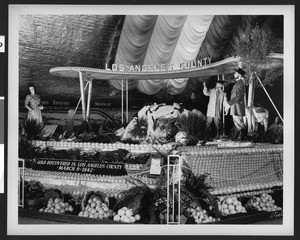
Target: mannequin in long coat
x,y
237,102
217,99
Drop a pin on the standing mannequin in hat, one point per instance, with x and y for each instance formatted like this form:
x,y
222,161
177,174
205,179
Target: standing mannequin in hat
x,y
217,99
237,102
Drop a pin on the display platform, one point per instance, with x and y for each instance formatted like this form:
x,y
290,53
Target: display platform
x,y
244,182
240,171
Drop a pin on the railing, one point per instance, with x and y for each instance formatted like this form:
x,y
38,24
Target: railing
x,y
21,180
173,187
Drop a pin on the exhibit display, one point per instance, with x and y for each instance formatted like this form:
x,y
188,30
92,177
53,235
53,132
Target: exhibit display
x,y
149,153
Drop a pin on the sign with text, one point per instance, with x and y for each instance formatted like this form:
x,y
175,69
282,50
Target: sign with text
x,y
155,166
89,167
233,144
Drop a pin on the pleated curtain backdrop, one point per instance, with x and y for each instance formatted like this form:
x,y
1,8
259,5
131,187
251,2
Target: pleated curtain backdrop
x,y
158,40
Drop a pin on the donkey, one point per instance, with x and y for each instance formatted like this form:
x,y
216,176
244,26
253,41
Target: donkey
x,y
259,115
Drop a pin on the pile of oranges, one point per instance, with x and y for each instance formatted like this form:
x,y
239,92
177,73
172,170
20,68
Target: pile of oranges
x,y
126,215
56,205
264,202
230,205
95,208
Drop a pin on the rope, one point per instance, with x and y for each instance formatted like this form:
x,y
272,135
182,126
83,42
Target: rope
x,y
269,97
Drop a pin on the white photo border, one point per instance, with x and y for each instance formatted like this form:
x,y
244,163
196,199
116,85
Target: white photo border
x,y
287,228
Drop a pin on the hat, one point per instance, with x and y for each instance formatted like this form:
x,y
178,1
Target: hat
x,y
240,71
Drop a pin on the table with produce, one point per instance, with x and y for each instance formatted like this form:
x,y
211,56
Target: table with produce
x,y
112,183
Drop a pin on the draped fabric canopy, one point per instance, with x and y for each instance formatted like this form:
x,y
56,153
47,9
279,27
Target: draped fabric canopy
x,y
133,43
171,41
160,40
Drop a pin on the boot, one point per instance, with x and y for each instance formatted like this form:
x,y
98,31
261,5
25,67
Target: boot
x,y
240,135
235,134
244,133
218,134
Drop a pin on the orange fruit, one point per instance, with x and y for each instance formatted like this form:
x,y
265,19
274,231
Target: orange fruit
x,y
128,213
239,208
229,200
58,207
117,218
121,212
231,207
93,204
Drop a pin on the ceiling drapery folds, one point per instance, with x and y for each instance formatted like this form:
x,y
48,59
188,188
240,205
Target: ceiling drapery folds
x,y
133,44
163,40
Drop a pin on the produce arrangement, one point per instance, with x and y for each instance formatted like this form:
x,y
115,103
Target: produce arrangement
x,y
96,209
208,198
78,183
57,205
135,205
247,190
263,202
200,215
238,171
230,205
114,156
126,215
88,146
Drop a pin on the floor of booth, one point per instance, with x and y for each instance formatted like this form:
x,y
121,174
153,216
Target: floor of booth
x,y
27,220
27,216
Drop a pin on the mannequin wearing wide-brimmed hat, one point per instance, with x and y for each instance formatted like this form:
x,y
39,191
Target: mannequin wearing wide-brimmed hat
x,y
217,99
237,101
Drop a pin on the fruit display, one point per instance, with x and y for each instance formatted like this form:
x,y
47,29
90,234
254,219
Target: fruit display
x,y
209,150
230,205
57,205
235,175
227,168
264,202
96,208
137,148
247,190
79,183
126,215
200,215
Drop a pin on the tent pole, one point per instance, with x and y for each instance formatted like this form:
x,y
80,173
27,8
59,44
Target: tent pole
x,y
89,98
80,99
82,96
122,102
223,112
269,97
126,100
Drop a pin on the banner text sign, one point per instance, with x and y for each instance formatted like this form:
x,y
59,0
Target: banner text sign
x,y
89,167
